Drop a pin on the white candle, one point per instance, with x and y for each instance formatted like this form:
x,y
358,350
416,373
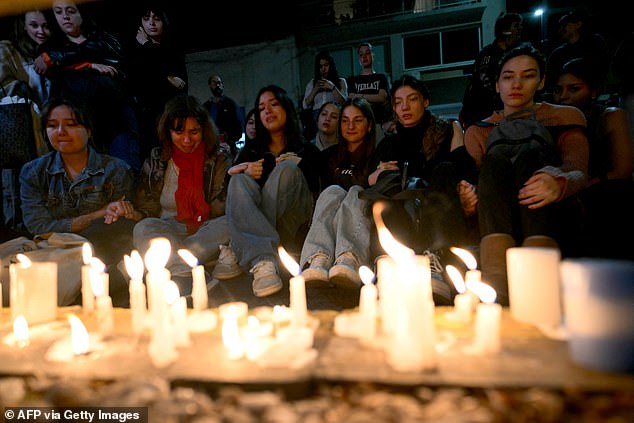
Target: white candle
x,y
179,321
464,302
231,336
103,303
200,297
136,289
297,287
21,331
162,349
33,290
78,335
487,322
87,296
157,277
367,304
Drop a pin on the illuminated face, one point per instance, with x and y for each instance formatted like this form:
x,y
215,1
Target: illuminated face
x,y
68,17
152,25
518,82
324,67
409,106
354,126
36,26
327,119
365,56
188,138
64,132
249,127
272,114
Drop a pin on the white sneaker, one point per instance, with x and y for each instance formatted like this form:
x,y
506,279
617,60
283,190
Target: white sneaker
x,y
227,265
318,269
345,272
266,280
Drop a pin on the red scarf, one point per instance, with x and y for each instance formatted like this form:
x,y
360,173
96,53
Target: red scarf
x,y
192,209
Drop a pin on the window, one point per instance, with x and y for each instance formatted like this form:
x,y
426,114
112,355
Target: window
x,y
440,49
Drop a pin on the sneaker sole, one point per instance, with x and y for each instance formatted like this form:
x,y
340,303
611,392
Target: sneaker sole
x,y
341,280
316,278
270,290
224,276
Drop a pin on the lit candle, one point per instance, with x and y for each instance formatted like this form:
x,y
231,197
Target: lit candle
x,y
138,308
367,304
21,331
464,303
155,260
87,296
78,335
297,287
178,309
469,260
103,303
33,290
199,284
231,336
487,322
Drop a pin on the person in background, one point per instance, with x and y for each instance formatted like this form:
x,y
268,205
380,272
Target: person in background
x,y
480,98
327,119
371,85
338,241
157,71
428,149
527,201
608,200
20,79
249,125
76,189
579,40
86,62
225,113
326,86
182,192
272,188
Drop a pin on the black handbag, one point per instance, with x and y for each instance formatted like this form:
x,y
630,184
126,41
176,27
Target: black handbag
x,y
17,137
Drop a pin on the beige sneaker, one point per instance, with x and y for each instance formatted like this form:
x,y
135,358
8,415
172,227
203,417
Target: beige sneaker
x,y
227,266
318,269
266,280
345,272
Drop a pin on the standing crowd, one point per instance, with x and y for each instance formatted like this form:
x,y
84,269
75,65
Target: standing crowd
x,y
533,159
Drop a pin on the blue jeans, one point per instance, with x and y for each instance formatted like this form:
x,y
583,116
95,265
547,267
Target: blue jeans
x,y
203,244
259,218
338,226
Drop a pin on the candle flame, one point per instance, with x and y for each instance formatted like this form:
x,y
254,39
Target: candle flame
x,y
21,330
157,255
96,282
366,274
392,247
134,265
171,292
485,292
188,257
290,264
86,253
97,265
24,260
468,258
456,278
78,335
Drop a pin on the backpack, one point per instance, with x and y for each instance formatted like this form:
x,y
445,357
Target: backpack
x,y
517,134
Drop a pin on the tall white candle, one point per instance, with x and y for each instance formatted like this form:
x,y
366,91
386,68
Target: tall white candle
x,y
33,290
486,338
87,296
200,296
103,303
177,307
162,349
138,307
367,304
297,287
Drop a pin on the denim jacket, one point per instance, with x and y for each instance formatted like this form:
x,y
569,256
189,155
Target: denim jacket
x,y
50,200
215,178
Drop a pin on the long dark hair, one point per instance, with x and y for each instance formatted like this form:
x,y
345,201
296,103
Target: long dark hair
x,y
25,45
369,141
176,112
333,73
292,129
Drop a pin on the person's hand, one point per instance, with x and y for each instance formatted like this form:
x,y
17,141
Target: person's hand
x,y
325,85
40,65
383,166
104,69
255,169
288,156
468,198
176,82
141,36
117,209
540,190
